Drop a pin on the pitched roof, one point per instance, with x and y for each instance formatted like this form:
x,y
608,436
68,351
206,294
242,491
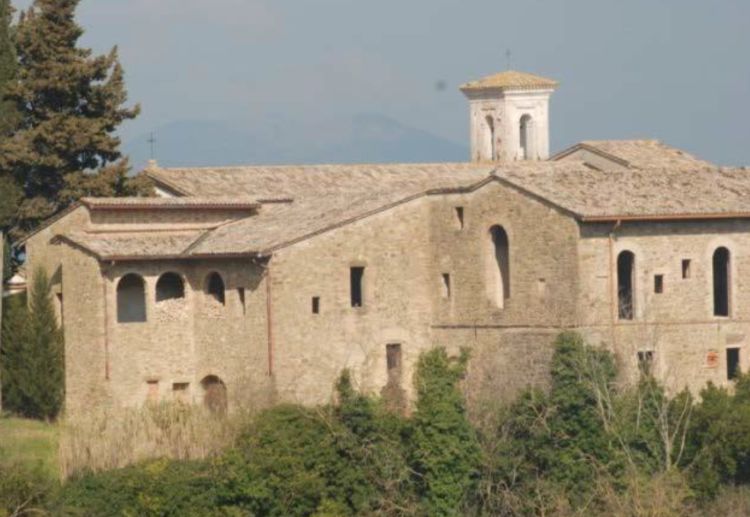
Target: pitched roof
x,y
174,203
510,80
319,198
636,153
649,193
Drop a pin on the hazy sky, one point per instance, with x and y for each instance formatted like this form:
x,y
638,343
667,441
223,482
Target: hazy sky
x,y
676,70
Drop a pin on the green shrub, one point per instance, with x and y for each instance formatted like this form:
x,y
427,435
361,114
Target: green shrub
x,y
163,488
24,490
445,450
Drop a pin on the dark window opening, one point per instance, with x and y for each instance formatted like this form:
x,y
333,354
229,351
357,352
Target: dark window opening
x,y
646,362
625,285
356,276
393,357
316,305
169,287
131,299
686,268
501,271
215,288
460,217
721,262
446,285
659,284
733,363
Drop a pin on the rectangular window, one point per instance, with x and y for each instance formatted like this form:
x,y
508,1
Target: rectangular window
x,y
733,363
357,275
658,284
153,391
645,361
180,391
446,285
460,217
685,268
393,356
316,305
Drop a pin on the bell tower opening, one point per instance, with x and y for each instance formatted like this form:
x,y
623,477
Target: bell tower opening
x,y
509,116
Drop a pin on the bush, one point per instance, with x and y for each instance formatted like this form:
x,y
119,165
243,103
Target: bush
x,y
24,490
163,488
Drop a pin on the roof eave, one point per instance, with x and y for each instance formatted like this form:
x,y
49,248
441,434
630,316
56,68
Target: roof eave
x,y
663,217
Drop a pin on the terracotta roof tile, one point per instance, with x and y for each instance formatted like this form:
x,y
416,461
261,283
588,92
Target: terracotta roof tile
x,y
510,80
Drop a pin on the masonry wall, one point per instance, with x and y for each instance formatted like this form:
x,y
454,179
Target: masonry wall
x,y
186,340
311,350
678,326
511,346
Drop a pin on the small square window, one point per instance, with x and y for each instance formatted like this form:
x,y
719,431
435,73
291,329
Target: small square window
x,y
658,284
733,363
460,217
686,268
316,305
180,391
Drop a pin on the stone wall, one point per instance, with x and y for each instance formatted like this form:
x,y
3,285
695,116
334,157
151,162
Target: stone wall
x,y
678,325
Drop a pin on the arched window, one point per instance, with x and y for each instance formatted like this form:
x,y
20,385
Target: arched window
x,y
215,287
169,287
527,137
131,299
214,394
626,285
490,144
499,271
722,279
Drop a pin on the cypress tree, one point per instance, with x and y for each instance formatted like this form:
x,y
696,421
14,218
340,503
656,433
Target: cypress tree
x,y
12,348
10,191
70,103
32,354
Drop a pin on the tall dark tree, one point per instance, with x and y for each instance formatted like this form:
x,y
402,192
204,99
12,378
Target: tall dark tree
x,y
10,190
70,104
32,354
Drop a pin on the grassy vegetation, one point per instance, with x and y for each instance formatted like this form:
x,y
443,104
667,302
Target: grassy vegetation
x,y
31,443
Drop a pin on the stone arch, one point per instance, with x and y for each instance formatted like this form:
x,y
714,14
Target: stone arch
x,y
131,299
214,394
626,285
722,281
498,281
170,286
526,137
215,287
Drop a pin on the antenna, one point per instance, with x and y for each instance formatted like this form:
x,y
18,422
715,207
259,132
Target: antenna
x,y
151,141
508,55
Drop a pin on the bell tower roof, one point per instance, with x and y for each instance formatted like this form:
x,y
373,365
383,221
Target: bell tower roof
x,y
510,80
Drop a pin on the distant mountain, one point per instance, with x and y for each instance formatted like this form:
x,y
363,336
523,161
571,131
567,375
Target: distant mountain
x,y
365,138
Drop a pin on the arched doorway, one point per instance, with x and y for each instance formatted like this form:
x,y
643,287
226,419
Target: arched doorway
x,y
214,394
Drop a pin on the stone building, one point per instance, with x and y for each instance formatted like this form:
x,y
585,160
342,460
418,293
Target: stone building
x,y
260,284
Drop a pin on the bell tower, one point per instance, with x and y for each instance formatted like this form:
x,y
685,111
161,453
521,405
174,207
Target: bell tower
x,y
509,117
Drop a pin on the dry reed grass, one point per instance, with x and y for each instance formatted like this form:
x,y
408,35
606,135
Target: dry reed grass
x,y
110,439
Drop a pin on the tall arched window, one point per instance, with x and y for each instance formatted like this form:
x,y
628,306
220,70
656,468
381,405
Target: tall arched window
x,y
527,137
626,285
169,287
490,143
215,287
131,299
722,279
499,271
